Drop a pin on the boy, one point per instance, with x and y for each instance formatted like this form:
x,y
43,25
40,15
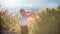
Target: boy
x,y
25,19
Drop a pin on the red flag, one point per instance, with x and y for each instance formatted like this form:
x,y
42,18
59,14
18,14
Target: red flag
x,y
32,15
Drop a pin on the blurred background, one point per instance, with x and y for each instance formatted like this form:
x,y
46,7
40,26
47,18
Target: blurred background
x,y
47,19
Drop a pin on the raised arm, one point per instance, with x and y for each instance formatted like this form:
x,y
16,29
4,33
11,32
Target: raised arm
x,y
30,14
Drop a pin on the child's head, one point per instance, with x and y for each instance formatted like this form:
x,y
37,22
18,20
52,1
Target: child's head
x,y
22,11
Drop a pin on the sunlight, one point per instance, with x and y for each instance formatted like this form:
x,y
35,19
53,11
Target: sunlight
x,y
11,3
13,14
37,17
29,5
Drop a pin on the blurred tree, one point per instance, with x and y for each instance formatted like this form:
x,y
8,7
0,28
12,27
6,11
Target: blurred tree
x,y
58,7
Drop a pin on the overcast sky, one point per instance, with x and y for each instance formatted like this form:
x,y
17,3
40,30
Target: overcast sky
x,y
29,3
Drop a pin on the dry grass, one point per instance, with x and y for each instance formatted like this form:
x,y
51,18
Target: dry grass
x,y
46,22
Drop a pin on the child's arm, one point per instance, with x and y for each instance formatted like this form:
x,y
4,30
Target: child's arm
x,y
30,14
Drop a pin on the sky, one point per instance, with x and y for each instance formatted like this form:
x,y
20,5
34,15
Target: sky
x,y
35,4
